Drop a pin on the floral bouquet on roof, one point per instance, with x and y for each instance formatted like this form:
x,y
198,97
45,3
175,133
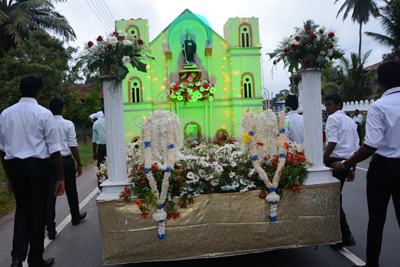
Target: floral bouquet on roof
x,y
110,55
309,46
192,88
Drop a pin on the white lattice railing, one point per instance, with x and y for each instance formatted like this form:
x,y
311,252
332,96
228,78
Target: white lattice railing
x,y
362,106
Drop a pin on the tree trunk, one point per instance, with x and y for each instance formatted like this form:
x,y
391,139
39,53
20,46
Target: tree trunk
x,y
84,134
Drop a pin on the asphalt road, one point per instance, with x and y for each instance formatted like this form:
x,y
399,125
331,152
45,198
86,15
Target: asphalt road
x,y
80,245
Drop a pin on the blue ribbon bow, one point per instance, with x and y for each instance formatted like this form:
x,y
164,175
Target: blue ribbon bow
x,y
272,218
251,133
170,146
283,130
169,169
282,155
147,170
161,236
160,207
161,221
272,203
147,144
254,158
271,190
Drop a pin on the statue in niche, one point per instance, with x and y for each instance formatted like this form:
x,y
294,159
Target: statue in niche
x,y
189,49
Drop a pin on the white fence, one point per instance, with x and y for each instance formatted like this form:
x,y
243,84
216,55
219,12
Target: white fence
x,y
362,106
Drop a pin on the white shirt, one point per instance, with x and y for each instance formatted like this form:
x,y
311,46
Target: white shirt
x,y
27,130
97,115
66,135
342,130
359,118
383,124
99,131
294,127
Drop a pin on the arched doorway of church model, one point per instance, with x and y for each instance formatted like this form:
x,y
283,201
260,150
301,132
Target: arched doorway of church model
x,y
221,134
192,132
134,139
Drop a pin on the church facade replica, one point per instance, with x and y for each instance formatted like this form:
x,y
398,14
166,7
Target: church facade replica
x,y
206,79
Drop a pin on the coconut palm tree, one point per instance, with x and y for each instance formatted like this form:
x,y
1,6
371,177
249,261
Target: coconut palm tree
x,y
18,18
390,21
362,11
348,79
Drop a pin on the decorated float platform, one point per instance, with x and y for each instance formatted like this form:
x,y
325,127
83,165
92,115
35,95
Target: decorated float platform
x,y
165,197
220,225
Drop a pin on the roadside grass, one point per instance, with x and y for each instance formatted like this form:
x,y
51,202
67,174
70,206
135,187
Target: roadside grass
x,y
7,200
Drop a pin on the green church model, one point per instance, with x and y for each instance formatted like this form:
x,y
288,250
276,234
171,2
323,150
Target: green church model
x,y
204,78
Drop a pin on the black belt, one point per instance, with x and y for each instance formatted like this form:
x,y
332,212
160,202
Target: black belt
x,y
65,157
377,156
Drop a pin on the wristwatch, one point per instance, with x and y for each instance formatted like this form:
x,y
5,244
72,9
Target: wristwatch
x,y
342,163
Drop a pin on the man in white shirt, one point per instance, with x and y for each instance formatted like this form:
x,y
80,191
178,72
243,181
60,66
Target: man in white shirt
x,y
67,139
99,141
27,140
294,121
358,119
342,143
96,116
382,140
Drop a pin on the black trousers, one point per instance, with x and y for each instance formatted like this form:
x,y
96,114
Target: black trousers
x,y
341,176
70,191
30,180
383,181
359,134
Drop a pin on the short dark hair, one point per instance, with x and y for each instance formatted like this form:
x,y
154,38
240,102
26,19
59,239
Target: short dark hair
x,y
292,102
389,73
335,98
30,85
56,105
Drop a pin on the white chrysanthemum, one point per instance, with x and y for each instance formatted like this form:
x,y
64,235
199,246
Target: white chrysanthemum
x,y
323,28
219,169
330,52
294,41
190,175
231,174
233,164
322,52
214,164
300,31
126,59
202,173
205,164
235,184
334,40
113,41
214,182
189,165
318,38
196,179
127,42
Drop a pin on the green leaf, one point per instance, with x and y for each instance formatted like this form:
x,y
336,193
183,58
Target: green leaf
x,y
128,50
272,55
122,72
322,61
141,66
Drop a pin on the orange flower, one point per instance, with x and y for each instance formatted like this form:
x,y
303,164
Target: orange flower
x,y
191,201
260,143
262,195
286,146
175,88
138,202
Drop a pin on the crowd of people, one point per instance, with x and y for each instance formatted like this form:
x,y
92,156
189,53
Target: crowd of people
x,y
38,149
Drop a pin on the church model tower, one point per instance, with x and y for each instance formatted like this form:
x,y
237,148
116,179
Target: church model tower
x,y
208,80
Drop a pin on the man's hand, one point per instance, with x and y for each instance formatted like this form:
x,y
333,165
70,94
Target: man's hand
x,y
94,156
9,186
336,166
78,171
59,188
351,176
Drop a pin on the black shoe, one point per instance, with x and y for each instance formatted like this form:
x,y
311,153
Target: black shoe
x,y
16,263
347,242
47,263
82,216
359,265
52,234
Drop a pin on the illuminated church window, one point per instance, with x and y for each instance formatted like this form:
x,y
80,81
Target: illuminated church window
x,y
133,31
136,94
245,36
221,134
248,86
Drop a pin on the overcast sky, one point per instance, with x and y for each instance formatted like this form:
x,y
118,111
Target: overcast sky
x,y
277,20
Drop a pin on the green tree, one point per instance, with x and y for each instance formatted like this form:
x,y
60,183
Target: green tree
x,y
19,18
362,11
390,21
349,80
42,55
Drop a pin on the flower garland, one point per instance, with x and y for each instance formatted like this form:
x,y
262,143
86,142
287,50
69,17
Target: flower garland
x,y
248,125
151,130
192,89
